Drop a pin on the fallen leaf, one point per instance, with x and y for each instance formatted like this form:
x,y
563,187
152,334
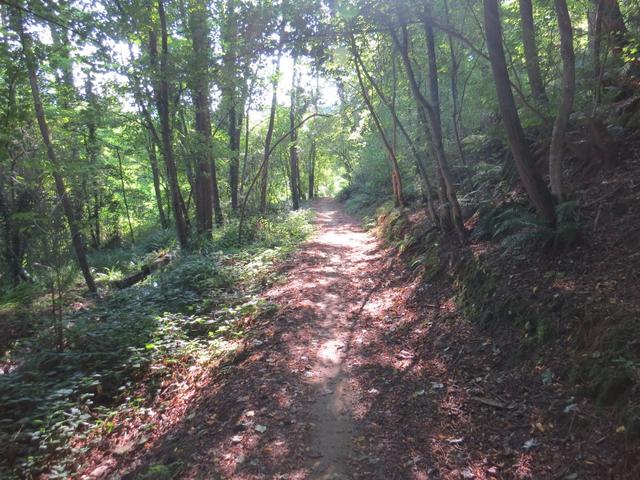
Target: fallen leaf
x,y
260,428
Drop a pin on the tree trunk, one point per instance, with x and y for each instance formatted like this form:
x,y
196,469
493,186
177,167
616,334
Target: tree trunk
x,y
396,181
420,163
566,102
162,103
455,108
312,169
531,58
245,156
124,196
264,179
293,147
533,184
76,236
153,160
200,94
234,160
433,112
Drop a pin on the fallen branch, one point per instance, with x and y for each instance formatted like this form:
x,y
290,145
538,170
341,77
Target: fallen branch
x,y
144,272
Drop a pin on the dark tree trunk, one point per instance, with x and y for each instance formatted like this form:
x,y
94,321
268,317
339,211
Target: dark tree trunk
x,y
455,108
264,178
312,169
533,184
566,102
76,236
124,196
153,160
200,92
234,160
162,103
531,58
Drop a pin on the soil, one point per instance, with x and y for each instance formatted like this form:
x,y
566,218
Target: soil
x,y
366,371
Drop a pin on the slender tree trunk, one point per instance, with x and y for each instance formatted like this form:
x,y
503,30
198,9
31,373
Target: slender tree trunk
x,y
420,163
566,102
93,150
76,236
531,58
264,179
162,102
153,160
312,169
293,147
396,181
245,156
124,196
234,160
433,112
533,184
455,108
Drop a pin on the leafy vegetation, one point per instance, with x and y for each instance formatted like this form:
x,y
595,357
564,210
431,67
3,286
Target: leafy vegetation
x,y
186,313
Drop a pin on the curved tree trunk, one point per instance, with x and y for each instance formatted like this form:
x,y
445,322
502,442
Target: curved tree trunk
x,y
264,179
61,190
533,184
396,180
432,110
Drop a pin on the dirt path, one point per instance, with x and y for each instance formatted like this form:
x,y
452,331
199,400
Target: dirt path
x,y
364,371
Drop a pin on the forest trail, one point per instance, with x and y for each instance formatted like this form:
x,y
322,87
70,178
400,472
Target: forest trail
x,y
327,293
361,370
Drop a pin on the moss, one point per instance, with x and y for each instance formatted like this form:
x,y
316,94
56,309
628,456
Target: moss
x,y
156,472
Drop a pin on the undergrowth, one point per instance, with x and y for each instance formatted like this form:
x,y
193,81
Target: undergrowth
x,y
189,310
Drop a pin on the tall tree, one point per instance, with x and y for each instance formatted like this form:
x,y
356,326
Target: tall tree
x,y
293,146
162,92
532,60
533,184
264,174
56,166
206,195
566,102
396,179
432,109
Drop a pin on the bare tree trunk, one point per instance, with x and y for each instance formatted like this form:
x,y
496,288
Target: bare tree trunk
x,y
153,160
419,161
433,111
124,195
455,108
293,147
396,181
245,156
531,58
200,92
162,102
566,102
76,236
533,184
264,180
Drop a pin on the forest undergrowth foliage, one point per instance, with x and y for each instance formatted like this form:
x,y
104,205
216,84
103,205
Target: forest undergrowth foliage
x,y
55,390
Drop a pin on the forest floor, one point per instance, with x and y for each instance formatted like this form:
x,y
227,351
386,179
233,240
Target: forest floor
x,y
364,371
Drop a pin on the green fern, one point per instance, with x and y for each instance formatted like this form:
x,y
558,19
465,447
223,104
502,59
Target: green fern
x,y
519,228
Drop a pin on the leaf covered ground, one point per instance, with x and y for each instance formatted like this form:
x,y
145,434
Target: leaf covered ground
x,y
364,369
